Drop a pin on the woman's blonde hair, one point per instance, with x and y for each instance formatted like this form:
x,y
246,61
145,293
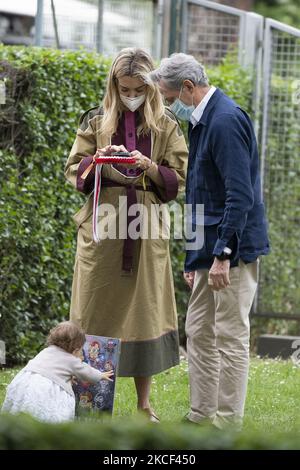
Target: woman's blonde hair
x,y
66,335
132,62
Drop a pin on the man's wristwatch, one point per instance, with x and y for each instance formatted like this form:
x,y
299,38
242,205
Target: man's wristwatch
x,y
225,254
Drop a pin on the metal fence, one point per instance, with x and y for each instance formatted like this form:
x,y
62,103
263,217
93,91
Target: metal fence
x,y
105,26
280,153
211,31
272,49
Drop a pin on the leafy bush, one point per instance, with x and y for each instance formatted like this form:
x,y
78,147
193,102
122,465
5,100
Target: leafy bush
x,y
22,432
47,91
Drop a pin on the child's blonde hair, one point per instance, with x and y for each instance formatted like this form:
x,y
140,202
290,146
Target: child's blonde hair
x,y
66,335
132,62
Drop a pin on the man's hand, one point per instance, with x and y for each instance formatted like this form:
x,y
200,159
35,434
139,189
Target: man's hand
x,y
189,278
218,276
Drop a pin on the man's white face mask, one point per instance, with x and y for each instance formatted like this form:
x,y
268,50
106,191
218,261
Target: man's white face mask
x,y
133,103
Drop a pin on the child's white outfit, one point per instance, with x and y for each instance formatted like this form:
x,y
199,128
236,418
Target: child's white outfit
x,y
44,389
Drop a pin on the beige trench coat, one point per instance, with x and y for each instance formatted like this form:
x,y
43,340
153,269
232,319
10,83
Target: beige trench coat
x,y
139,308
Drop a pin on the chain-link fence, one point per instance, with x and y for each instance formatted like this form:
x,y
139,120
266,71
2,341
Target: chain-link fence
x,y
280,274
212,32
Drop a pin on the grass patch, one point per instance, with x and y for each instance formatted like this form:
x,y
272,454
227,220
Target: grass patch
x,y
272,406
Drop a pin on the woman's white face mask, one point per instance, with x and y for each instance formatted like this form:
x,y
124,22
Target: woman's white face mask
x,y
133,103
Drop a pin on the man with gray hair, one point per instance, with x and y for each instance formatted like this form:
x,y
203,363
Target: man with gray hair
x,y
223,175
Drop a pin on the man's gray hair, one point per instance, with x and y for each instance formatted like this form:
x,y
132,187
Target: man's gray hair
x,y
178,67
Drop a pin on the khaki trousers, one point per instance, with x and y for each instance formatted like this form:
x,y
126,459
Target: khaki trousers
x,y
218,331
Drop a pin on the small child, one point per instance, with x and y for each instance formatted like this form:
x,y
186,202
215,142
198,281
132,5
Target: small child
x,y
44,387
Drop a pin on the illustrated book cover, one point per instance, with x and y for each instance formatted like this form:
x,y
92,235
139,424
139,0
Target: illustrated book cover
x,y
102,353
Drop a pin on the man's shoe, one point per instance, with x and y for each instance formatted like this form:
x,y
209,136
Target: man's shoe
x,y
186,420
203,423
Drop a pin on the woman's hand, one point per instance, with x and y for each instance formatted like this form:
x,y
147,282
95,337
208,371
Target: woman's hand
x,y
141,161
116,148
107,375
106,151
101,152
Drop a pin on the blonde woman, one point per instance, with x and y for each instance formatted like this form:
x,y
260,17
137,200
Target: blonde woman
x,y
123,286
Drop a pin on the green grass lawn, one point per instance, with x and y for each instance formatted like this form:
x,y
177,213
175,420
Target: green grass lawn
x,y
273,401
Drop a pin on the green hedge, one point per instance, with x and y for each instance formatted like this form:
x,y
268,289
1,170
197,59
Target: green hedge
x,y
47,90
22,432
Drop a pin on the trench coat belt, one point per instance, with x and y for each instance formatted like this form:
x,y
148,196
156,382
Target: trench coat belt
x,y
127,261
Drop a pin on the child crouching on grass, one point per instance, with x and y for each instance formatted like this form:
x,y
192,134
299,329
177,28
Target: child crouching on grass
x,y
44,387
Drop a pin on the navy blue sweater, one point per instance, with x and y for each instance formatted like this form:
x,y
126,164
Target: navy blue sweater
x,y
223,175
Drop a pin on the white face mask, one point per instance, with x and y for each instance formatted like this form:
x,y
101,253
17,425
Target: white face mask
x,y
133,103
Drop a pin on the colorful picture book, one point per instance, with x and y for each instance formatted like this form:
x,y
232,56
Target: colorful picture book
x,y
103,354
